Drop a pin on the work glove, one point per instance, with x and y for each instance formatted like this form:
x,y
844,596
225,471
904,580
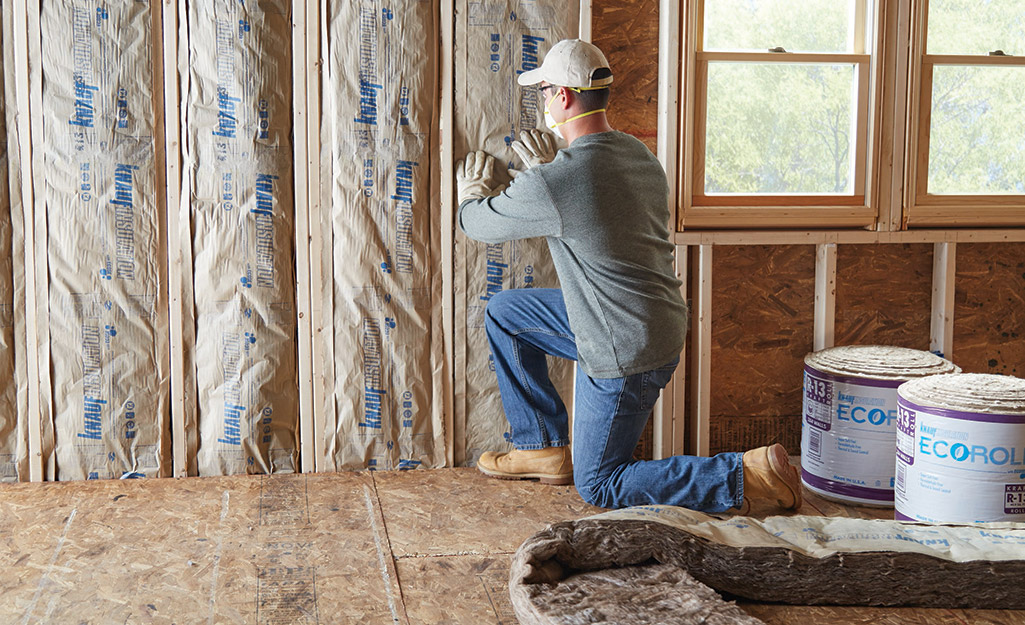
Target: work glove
x,y
535,147
475,177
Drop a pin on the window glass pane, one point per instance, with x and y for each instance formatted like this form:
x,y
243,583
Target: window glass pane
x,y
796,25
976,26
977,130
779,128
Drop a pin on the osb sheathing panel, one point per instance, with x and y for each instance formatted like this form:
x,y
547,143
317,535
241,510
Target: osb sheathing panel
x,y
884,295
989,308
305,549
458,511
293,549
457,590
762,316
627,32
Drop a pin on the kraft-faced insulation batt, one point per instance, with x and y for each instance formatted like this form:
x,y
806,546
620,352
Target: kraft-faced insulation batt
x,y
238,164
379,354
106,374
850,414
8,404
961,449
496,40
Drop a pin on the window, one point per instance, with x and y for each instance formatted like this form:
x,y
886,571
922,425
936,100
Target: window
x,y
780,98
966,163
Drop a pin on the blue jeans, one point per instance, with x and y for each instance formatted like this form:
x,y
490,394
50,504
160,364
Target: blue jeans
x,y
523,325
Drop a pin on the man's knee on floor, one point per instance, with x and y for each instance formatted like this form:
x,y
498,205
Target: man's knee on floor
x,y
592,489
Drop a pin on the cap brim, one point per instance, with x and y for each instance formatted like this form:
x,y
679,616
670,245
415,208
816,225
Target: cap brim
x,y
531,77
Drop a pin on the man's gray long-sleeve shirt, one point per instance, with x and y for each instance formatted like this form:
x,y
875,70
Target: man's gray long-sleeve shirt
x,y
602,205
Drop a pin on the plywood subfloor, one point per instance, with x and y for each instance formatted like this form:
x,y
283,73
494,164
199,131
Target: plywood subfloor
x,y
428,547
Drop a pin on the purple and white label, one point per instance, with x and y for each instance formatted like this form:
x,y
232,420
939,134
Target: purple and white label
x,y
847,437
959,467
818,404
906,434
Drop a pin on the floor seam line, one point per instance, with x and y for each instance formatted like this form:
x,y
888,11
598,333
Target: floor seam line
x,y
422,556
388,545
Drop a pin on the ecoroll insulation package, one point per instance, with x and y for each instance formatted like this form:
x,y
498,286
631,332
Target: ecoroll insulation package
x,y
378,351
238,201
98,182
495,41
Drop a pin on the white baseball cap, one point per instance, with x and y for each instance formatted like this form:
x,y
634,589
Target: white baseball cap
x,y
570,63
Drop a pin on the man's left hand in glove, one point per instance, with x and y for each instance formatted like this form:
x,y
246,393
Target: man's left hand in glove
x,y
535,147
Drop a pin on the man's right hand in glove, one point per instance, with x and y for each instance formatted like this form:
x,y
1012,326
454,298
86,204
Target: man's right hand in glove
x,y
535,147
475,177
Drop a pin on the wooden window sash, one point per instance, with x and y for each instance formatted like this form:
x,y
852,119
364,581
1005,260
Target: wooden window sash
x,y
698,210
923,209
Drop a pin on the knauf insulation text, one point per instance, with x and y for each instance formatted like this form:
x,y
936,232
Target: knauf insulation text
x,y
231,359
92,384
83,55
264,213
124,221
227,119
373,391
528,95
367,67
404,216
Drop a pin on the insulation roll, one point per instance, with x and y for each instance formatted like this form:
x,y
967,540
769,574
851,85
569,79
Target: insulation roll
x,y
238,167
850,412
961,449
101,185
8,403
496,40
380,353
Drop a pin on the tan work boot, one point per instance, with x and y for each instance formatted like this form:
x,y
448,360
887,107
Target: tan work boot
x,y
551,465
769,480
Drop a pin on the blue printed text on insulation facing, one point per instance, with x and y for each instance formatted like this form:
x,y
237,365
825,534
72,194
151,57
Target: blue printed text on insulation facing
x,y
124,220
373,393
85,112
264,115
407,409
528,95
264,216
122,107
82,53
130,430
495,271
368,177
404,215
496,52
227,117
234,410
368,88
92,384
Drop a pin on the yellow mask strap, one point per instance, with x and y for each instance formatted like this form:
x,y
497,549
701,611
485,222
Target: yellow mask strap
x,y
557,124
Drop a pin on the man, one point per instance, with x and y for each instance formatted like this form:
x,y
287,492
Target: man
x,y
602,205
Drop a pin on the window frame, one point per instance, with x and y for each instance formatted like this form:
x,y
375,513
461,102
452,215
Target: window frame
x,y
922,209
774,211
